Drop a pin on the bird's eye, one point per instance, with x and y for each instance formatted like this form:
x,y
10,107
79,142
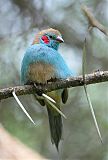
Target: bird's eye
x,y
51,36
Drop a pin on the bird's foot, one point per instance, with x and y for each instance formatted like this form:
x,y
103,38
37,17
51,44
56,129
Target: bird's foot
x,y
54,79
39,93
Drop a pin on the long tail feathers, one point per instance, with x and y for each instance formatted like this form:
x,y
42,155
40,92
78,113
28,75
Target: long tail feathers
x,y
55,122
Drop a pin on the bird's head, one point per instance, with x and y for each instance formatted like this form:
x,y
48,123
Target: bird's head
x,y
50,37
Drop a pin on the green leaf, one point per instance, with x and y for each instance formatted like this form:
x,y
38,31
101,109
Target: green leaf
x,y
86,92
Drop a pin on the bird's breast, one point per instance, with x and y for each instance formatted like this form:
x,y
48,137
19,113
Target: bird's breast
x,y
40,72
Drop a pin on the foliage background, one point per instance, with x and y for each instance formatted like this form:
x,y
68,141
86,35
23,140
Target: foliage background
x,y
20,20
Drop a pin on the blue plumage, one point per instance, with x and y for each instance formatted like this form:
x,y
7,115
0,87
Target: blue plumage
x,y
41,53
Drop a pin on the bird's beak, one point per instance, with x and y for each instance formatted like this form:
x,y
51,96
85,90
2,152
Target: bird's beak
x,y
59,39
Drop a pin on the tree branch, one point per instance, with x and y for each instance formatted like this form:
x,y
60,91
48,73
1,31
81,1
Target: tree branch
x,y
96,77
93,22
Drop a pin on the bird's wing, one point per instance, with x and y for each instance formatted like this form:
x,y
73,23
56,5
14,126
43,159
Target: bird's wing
x,y
64,95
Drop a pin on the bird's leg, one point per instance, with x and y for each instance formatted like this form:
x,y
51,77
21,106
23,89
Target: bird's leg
x,y
52,79
39,93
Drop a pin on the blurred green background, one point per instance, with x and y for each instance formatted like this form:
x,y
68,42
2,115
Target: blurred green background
x,y
20,20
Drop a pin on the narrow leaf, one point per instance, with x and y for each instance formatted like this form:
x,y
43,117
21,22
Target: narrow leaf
x,y
55,107
93,114
46,96
87,95
84,61
22,107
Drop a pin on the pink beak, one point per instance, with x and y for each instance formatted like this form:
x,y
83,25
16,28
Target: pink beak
x,y
59,39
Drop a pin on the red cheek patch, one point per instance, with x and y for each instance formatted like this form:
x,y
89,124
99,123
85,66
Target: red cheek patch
x,y
45,39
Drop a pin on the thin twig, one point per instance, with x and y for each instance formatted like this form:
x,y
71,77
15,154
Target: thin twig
x,y
93,22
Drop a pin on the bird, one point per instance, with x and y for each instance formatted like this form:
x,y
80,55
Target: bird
x,y
41,63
